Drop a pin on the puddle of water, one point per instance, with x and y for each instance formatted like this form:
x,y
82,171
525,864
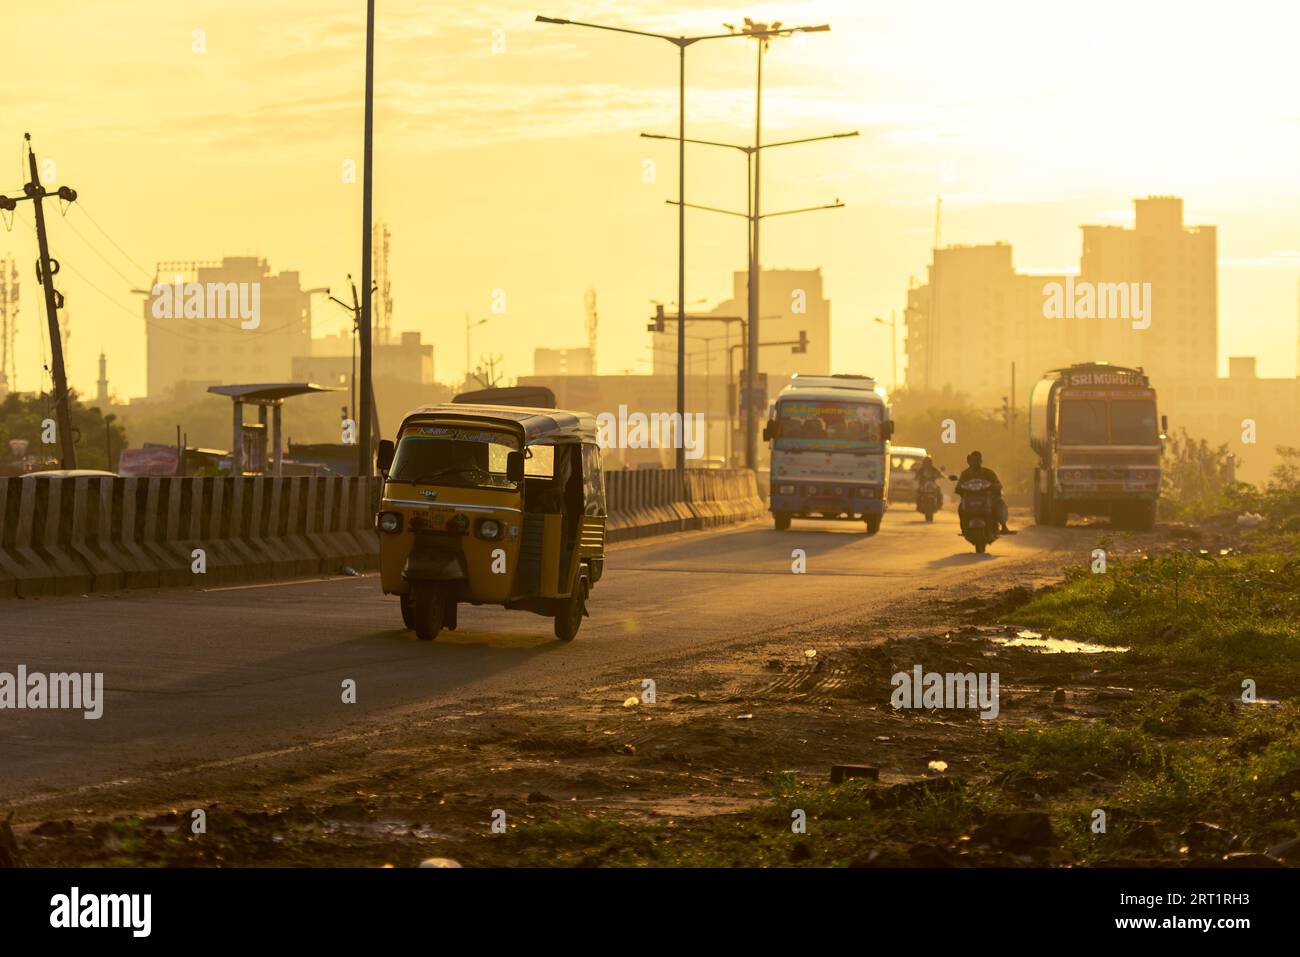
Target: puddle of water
x,y
1056,646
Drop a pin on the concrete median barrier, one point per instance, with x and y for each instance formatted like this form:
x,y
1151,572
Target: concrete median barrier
x,y
71,535
65,535
653,502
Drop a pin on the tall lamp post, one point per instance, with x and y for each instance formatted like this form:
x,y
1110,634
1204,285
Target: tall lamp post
x,y
681,42
365,450
763,33
751,259
469,362
893,349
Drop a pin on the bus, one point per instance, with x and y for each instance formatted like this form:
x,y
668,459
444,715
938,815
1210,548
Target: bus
x,y
829,440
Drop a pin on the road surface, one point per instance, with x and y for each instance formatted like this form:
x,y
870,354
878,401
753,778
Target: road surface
x,y
194,677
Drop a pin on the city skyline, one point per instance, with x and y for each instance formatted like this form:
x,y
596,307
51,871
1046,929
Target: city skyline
x,y
497,171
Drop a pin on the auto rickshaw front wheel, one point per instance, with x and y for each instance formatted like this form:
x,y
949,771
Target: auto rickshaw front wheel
x,y
428,608
569,618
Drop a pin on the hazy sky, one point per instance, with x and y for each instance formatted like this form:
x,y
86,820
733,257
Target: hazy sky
x,y
522,169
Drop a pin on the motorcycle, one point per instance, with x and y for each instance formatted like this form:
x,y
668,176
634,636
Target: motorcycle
x,y
929,499
979,522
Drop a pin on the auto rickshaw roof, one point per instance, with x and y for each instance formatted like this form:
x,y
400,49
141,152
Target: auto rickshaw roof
x,y
539,425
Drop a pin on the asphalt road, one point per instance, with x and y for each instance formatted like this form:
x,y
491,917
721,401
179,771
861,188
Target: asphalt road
x,y
195,677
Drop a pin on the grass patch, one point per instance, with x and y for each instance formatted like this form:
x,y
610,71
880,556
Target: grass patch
x,y
1220,613
845,824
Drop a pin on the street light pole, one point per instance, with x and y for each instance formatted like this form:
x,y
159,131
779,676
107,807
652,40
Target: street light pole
x,y
763,33
680,460
755,277
893,348
469,327
365,461
681,42
750,261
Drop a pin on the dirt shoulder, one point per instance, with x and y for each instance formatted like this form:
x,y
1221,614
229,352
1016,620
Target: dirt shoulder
x,y
730,762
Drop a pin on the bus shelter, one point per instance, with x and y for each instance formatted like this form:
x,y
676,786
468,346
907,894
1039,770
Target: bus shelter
x,y
248,440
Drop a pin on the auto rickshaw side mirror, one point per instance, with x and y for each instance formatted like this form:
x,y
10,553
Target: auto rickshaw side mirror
x,y
515,466
769,431
384,455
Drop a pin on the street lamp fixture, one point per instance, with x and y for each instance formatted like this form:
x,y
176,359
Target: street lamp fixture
x,y
682,42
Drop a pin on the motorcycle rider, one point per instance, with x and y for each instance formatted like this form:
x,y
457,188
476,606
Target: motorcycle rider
x,y
925,472
976,470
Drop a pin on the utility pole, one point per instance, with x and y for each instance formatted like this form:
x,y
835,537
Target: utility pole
x,y
755,276
46,270
682,42
8,323
365,463
1013,396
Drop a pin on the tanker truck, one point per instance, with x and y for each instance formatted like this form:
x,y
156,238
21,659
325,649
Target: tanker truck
x,y
1098,439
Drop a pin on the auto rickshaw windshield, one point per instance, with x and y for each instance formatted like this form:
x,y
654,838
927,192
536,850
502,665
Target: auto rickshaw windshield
x,y
454,456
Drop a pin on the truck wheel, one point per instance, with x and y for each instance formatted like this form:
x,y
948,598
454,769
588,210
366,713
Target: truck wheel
x,y
1140,516
569,618
1056,512
408,610
429,606
1040,513
873,523
781,520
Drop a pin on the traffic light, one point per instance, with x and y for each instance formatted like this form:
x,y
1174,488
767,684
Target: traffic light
x,y
657,323
802,347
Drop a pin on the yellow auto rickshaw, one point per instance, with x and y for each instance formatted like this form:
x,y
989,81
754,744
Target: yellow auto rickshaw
x,y
491,505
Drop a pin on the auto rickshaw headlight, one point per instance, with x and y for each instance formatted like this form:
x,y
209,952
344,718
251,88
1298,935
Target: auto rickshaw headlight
x,y
390,521
489,528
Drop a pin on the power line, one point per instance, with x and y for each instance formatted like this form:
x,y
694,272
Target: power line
x,y
76,232
160,323
95,223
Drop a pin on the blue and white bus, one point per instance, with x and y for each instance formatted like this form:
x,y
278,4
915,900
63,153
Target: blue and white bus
x,y
830,450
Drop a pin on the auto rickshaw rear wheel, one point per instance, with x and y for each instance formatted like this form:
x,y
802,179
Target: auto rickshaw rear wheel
x,y
429,604
408,610
569,618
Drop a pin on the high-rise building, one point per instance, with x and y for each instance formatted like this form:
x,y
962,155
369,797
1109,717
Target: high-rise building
x,y
976,315
1181,264
974,318
220,345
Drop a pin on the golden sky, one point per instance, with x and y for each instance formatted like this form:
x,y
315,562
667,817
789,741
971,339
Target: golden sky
x,y
521,169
